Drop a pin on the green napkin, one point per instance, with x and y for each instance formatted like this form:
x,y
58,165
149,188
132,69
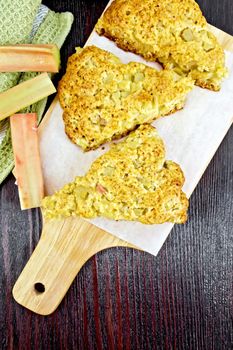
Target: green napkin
x,y
25,21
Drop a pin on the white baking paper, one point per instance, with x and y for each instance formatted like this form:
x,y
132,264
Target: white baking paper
x,y
191,136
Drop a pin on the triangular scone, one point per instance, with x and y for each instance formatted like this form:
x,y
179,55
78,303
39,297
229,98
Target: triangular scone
x,y
173,32
132,181
104,99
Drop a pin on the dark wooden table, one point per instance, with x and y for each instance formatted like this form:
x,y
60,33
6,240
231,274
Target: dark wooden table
x,y
125,299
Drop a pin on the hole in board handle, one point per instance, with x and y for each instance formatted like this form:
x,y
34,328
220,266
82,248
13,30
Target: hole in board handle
x,y
39,287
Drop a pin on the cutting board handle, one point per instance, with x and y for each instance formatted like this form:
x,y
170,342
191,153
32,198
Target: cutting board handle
x,y
63,249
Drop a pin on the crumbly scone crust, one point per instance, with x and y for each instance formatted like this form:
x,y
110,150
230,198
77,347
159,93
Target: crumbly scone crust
x,y
132,181
173,33
104,99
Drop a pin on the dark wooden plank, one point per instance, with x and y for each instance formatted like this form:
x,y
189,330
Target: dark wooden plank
x,y
124,299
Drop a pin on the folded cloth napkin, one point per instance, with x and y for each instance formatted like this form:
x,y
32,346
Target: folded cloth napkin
x,y
26,21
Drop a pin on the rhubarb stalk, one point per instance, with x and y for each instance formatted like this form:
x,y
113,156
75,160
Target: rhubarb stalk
x,y
27,160
25,94
29,58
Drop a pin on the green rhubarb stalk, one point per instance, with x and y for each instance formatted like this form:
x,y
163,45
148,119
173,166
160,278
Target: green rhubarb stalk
x,y
29,58
25,94
27,159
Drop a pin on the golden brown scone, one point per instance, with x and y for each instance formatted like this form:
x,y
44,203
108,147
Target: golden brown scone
x,y
173,32
132,181
104,99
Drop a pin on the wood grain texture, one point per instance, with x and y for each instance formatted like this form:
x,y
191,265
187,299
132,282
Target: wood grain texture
x,y
64,248
124,299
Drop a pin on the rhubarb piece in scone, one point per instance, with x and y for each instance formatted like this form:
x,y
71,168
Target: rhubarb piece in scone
x,y
132,181
173,32
104,99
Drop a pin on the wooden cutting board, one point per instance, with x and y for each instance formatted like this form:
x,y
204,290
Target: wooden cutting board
x,y
64,247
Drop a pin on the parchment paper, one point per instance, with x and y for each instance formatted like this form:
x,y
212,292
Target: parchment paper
x,y
191,136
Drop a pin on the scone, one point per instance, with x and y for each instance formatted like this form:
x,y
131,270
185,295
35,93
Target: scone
x,y
104,99
172,32
132,181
